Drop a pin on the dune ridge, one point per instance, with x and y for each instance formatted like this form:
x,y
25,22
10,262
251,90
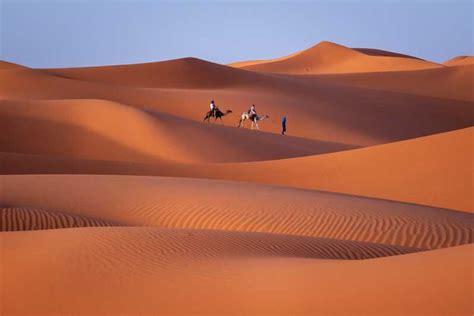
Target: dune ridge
x,y
327,57
459,61
229,206
448,82
116,197
444,181
318,109
104,130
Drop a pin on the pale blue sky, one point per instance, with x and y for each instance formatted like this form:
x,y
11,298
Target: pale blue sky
x,y
57,33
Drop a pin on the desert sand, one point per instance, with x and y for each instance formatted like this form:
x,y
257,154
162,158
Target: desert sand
x,y
116,197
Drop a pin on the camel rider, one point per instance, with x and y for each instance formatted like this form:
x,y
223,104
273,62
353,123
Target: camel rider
x,y
252,112
213,108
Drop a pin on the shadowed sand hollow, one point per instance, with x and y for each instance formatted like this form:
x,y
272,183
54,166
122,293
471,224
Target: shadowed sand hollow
x,y
116,197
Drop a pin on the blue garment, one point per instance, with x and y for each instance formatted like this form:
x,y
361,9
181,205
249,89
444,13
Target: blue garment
x,y
283,125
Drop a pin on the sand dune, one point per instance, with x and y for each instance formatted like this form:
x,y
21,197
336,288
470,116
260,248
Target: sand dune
x,y
327,57
130,204
149,270
4,65
197,245
317,109
460,61
380,52
449,82
178,73
228,206
433,170
96,129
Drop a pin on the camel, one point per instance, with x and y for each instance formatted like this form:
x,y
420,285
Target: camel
x,y
245,116
218,115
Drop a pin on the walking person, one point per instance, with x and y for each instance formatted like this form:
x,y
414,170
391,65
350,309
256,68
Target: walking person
x,y
283,125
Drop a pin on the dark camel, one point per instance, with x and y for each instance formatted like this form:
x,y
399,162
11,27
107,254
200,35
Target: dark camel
x,y
218,115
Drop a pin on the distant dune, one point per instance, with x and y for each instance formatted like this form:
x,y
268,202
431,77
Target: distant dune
x,y
317,108
449,82
116,197
327,57
460,61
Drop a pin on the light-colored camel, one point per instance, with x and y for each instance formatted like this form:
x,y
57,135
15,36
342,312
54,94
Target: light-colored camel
x,y
245,116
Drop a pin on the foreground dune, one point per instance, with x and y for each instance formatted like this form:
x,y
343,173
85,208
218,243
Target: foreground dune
x,y
148,270
116,198
230,206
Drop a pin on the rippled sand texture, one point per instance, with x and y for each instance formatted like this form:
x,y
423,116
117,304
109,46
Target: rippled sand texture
x,y
115,197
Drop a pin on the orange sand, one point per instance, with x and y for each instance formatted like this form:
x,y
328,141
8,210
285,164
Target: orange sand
x,y
327,57
115,197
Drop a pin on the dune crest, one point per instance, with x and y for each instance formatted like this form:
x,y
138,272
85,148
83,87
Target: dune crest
x,y
117,198
244,207
444,180
460,61
104,130
327,57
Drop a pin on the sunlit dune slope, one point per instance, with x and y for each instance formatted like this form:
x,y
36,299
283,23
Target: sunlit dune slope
x,y
460,61
177,73
449,82
434,170
147,270
96,129
5,65
327,57
316,107
245,207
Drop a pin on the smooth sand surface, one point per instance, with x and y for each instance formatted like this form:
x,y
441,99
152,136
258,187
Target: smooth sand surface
x,y
449,82
434,170
459,61
327,57
317,108
104,130
116,198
